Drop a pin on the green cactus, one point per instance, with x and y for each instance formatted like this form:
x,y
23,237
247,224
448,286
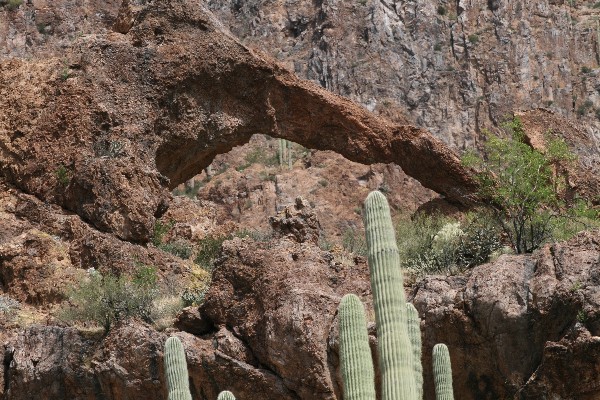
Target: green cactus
x,y
442,372
176,370
414,334
355,355
395,351
226,395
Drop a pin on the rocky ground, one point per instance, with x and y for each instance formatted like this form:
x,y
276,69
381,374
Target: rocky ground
x,y
107,109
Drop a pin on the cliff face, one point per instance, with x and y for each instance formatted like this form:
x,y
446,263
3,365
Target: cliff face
x,y
106,106
453,67
150,99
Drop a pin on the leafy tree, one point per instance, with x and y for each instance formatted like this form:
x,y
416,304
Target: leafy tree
x,y
525,187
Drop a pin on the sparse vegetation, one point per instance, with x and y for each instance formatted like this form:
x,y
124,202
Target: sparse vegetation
x,y
191,191
160,230
258,155
62,175
585,70
525,186
437,47
473,38
353,241
107,299
441,10
433,243
8,307
584,107
208,250
12,4
194,296
178,248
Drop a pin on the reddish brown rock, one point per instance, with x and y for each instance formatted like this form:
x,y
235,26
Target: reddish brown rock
x,y
120,119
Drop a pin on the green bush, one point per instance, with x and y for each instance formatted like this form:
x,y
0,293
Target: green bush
x,y
107,299
473,38
353,241
13,4
178,248
160,230
433,244
194,296
208,251
524,186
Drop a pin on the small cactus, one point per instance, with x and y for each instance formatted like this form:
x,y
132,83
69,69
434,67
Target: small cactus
x,y
355,355
176,370
442,372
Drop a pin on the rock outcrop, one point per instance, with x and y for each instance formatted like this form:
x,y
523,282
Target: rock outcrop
x,y
452,67
524,326
105,125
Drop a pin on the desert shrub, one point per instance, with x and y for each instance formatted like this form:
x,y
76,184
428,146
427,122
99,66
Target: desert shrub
x,y
258,155
524,187
107,299
178,248
160,230
8,307
11,4
354,241
433,244
208,251
194,296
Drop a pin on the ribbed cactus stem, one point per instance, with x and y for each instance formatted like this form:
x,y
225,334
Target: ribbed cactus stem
x,y
226,395
442,372
414,334
394,347
355,355
176,370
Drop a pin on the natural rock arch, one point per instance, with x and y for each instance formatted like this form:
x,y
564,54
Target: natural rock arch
x,y
125,115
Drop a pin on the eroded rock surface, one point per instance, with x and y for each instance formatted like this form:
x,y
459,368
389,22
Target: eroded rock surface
x,y
521,326
115,119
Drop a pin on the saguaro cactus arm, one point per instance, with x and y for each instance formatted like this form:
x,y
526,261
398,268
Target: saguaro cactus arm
x,y
176,370
414,334
355,355
226,395
442,372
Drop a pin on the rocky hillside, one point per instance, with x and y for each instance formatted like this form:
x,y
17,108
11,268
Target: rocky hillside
x,y
108,108
453,67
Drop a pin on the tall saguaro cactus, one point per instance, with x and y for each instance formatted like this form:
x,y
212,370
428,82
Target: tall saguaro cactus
x,y
176,370
355,355
442,372
395,350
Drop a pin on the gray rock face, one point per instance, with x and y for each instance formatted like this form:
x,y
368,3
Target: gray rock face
x,y
451,67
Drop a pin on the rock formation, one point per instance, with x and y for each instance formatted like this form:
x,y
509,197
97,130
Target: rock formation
x,y
105,106
521,326
148,101
452,67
